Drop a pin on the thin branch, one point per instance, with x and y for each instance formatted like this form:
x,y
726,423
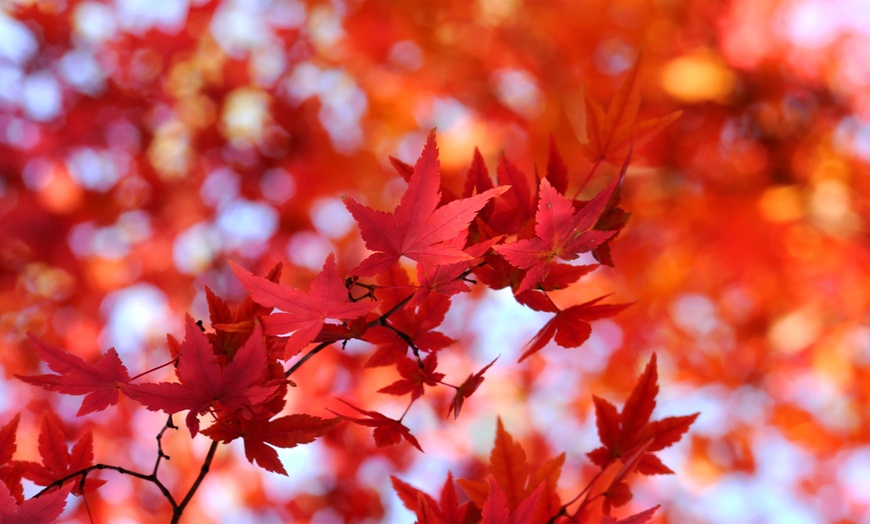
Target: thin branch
x,y
588,177
317,349
203,470
173,361
160,454
407,339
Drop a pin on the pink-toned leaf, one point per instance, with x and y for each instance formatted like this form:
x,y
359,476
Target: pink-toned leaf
x,y
99,382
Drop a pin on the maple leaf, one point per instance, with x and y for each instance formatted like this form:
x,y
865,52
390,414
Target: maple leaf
x,y
511,212
638,518
429,511
387,431
477,179
515,492
507,463
40,510
10,471
557,171
99,382
447,279
417,322
466,389
570,327
561,232
622,433
233,326
419,228
496,508
414,376
204,384
260,435
613,131
302,314
57,460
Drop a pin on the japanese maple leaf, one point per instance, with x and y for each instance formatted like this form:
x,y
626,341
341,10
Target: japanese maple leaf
x,y
414,376
561,233
427,509
570,327
260,435
239,385
10,471
557,171
638,518
40,510
99,382
515,492
623,432
448,279
57,460
301,313
387,431
466,389
233,326
419,228
417,322
511,213
613,131
496,509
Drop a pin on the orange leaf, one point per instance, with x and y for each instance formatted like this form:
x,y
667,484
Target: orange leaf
x,y
508,466
640,404
612,131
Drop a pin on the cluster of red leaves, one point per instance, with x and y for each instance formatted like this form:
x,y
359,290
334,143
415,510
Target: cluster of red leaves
x,y
57,462
509,233
515,491
241,393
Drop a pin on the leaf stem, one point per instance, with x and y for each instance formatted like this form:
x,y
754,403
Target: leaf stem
x,y
588,177
317,349
173,361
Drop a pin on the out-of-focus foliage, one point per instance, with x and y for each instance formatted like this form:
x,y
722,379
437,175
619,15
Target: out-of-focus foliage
x,y
143,144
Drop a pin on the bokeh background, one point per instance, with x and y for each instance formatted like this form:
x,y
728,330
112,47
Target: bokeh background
x,y
145,143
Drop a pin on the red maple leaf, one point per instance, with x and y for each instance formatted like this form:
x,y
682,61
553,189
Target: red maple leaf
x,y
419,228
496,508
557,171
515,492
43,509
638,518
624,432
570,327
387,432
233,326
10,471
100,382
302,314
427,509
204,384
562,232
613,131
414,376
260,435
57,460
466,389
511,213
417,322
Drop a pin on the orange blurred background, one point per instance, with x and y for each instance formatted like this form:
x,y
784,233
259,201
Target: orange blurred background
x,y
143,144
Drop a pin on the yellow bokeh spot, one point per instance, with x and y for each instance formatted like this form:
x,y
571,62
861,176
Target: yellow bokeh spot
x,y
697,78
170,152
245,115
795,331
781,204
